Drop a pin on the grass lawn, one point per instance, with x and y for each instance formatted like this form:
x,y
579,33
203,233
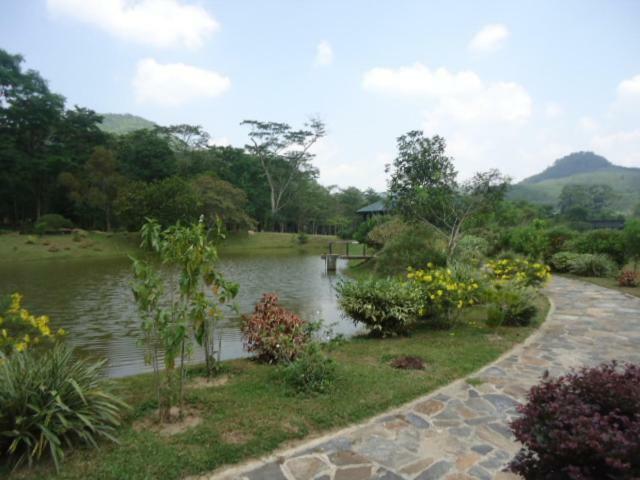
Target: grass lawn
x,y
255,413
16,248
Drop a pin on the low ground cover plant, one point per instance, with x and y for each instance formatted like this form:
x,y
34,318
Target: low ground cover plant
x,y
312,372
581,426
51,400
386,306
273,333
629,278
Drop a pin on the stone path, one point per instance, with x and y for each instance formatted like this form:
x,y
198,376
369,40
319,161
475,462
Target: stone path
x,y
461,431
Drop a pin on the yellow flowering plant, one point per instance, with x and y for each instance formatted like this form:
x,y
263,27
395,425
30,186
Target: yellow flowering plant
x,y
443,295
20,329
519,270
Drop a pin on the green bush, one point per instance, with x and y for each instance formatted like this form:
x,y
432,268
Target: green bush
x,y
302,238
50,401
51,222
312,372
385,306
531,241
561,261
592,265
363,229
414,248
511,305
471,249
386,231
558,237
604,241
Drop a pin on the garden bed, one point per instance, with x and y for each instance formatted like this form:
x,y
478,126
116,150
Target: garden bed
x,y
254,412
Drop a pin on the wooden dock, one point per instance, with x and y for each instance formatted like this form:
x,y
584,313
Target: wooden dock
x,y
331,258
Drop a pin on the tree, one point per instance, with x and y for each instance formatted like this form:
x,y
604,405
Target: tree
x,y
283,154
585,202
220,200
146,155
97,184
424,187
632,241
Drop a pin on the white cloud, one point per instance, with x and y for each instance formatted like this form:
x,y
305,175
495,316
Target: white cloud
x,y
621,148
460,96
489,38
175,84
630,87
161,23
324,54
220,142
553,110
588,124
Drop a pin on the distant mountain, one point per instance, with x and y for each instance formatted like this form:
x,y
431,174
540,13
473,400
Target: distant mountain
x,y
585,168
121,123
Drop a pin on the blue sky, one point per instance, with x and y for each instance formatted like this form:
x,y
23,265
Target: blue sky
x,y
512,85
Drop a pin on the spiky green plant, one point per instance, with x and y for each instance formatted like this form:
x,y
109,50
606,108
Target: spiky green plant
x,y
53,400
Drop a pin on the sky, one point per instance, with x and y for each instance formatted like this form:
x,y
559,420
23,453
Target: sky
x,y
509,85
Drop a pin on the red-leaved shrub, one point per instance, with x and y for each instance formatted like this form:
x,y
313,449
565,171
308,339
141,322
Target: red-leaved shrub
x,y
582,426
629,278
274,333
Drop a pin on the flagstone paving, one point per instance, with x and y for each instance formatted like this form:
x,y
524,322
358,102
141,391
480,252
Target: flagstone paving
x,y
461,431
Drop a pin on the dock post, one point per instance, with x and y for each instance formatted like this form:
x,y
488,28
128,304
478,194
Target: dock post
x,y
331,261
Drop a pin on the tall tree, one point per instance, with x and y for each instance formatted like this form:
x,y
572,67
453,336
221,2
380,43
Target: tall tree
x,y
425,189
284,154
146,155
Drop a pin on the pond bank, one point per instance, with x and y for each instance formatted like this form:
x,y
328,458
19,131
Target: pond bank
x,y
254,413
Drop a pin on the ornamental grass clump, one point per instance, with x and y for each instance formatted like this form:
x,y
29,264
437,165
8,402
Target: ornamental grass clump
x,y
273,333
511,304
531,274
51,400
443,295
312,372
581,426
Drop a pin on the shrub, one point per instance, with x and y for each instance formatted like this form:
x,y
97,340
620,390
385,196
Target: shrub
x,y
519,270
592,265
21,330
51,222
414,248
312,372
384,232
531,241
302,238
471,250
385,306
631,237
511,305
53,400
629,278
604,241
582,426
274,333
558,237
561,261
442,294
363,229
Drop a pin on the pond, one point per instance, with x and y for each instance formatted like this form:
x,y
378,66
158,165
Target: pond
x,y
92,300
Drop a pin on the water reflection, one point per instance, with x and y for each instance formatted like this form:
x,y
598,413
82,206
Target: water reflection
x,y
92,300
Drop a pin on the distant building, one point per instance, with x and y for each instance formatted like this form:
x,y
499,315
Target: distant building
x,y
612,224
373,209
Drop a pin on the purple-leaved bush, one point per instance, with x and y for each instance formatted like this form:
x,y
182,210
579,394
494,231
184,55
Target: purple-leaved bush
x,y
582,426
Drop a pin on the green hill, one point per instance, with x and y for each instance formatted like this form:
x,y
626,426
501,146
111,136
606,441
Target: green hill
x,y
121,123
584,168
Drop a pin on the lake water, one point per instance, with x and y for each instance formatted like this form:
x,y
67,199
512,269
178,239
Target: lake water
x,y
92,300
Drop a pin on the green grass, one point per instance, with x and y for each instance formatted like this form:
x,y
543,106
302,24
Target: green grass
x,y
17,248
255,413
273,242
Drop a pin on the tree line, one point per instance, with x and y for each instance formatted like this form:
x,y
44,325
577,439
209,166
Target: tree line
x,y
58,160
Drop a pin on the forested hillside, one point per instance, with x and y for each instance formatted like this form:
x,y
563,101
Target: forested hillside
x,y
581,168
111,171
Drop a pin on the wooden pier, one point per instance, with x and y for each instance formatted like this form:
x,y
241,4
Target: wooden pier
x,y
331,258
